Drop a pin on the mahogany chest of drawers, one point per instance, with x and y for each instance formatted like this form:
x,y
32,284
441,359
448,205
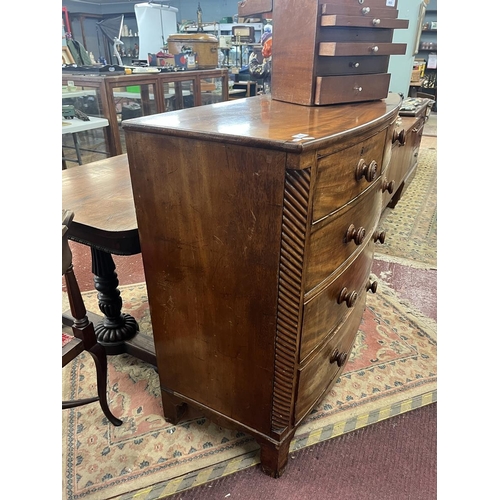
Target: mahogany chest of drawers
x,y
257,220
331,51
406,138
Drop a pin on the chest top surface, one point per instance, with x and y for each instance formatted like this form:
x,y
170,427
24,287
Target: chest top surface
x,y
263,122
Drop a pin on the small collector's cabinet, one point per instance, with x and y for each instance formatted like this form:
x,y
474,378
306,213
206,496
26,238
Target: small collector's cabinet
x,y
342,52
257,220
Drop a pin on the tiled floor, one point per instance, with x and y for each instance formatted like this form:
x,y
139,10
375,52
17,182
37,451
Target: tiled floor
x,y
417,286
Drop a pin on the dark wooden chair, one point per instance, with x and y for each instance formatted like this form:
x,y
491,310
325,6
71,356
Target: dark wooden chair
x,y
82,336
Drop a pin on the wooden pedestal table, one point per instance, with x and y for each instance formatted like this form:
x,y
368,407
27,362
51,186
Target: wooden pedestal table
x,y
100,195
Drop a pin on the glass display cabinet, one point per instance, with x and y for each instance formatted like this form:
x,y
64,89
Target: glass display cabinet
x,y
120,97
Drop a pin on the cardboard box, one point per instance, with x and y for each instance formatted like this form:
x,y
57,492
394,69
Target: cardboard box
x,y
415,76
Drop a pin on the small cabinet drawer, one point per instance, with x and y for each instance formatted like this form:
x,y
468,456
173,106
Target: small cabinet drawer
x,y
351,65
355,88
344,175
324,312
327,365
345,6
341,235
361,49
350,8
368,21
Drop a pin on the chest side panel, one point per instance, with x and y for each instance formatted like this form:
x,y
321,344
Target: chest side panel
x,y
209,217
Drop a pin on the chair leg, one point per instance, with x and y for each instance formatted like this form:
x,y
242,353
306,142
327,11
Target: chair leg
x,y
78,402
101,363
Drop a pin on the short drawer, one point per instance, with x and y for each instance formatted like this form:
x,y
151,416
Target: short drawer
x,y
351,88
351,65
341,235
344,175
389,8
361,49
368,21
327,365
324,312
353,35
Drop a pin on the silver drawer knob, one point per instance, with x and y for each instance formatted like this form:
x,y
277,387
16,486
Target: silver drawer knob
x,y
376,22
359,89
354,64
375,48
365,10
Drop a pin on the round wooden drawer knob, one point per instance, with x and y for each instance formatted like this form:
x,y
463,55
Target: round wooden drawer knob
x,y
357,235
371,286
388,186
369,172
379,236
399,137
348,298
338,357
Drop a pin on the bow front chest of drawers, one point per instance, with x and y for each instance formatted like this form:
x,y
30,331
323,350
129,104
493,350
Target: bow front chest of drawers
x,y
257,220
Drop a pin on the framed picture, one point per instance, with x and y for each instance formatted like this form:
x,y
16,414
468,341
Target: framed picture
x,y
67,58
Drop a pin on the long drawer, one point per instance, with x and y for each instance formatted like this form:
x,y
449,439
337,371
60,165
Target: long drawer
x,y
361,49
351,65
324,312
325,367
341,235
357,88
343,6
348,8
344,175
363,21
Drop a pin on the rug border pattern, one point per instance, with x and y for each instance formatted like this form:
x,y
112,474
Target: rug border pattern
x,y
250,459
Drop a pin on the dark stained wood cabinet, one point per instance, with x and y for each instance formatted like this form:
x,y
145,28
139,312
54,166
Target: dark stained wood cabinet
x,y
257,220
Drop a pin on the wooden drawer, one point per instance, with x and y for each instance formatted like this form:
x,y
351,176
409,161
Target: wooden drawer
x,y
354,8
322,370
341,235
337,181
343,89
351,65
343,6
369,21
374,48
353,35
323,313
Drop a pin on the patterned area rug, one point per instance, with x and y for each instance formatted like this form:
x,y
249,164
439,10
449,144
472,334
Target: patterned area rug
x,y
411,227
392,369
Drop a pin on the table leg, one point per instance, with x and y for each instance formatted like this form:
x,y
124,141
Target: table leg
x,y
77,148
116,328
